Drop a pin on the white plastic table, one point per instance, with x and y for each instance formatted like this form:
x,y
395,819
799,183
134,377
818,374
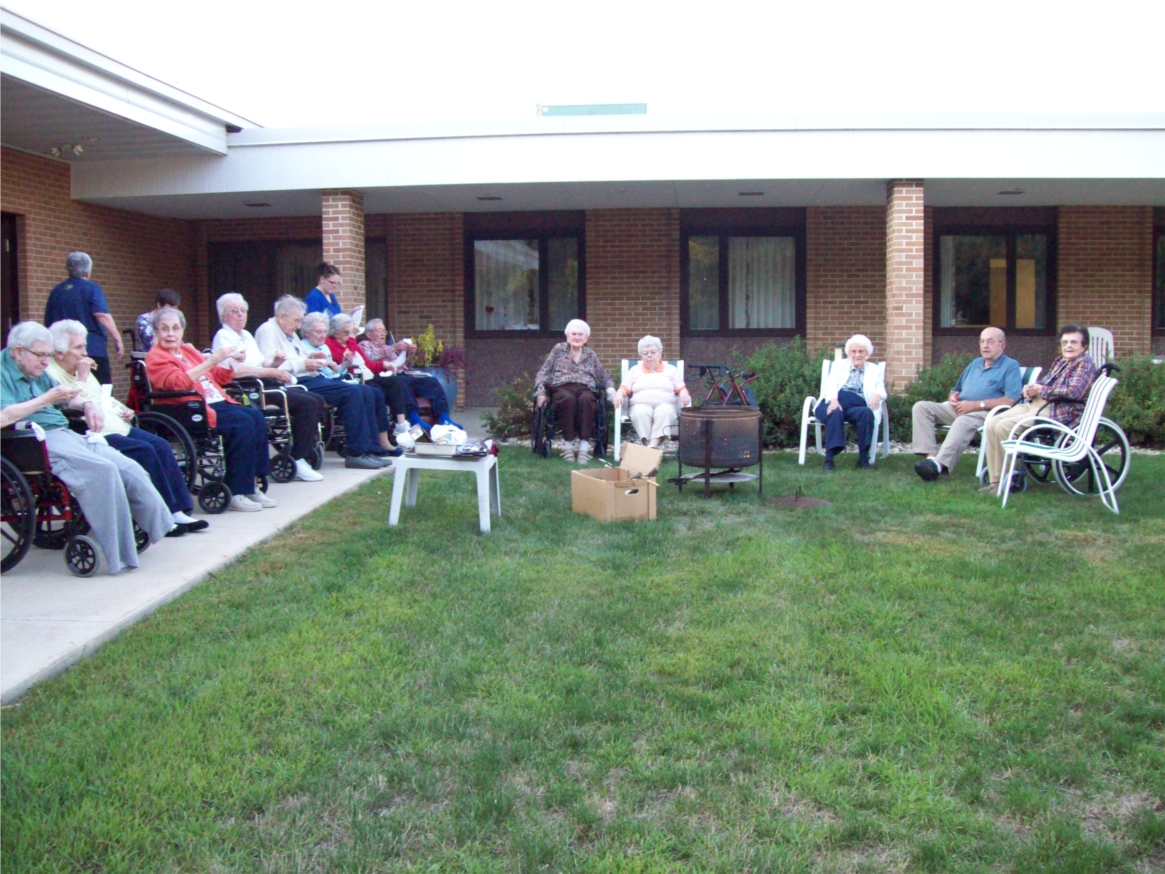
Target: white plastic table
x,y
408,472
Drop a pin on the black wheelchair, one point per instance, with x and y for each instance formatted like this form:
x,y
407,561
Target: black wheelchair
x,y
181,419
545,428
37,509
271,401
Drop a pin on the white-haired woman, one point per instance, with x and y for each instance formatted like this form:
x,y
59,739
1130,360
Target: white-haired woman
x,y
573,379
305,410
653,387
853,393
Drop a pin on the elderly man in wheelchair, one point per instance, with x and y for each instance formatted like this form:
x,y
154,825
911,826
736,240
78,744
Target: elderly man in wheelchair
x,y
112,490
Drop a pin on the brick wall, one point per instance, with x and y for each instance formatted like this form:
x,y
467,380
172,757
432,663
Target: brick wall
x,y
633,281
905,282
134,255
426,279
846,281
1106,271
343,229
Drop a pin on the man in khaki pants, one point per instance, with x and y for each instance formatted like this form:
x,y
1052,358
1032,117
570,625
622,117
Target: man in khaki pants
x,y
989,381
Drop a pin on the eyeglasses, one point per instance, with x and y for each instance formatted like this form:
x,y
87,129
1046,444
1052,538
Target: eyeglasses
x,y
43,356
236,311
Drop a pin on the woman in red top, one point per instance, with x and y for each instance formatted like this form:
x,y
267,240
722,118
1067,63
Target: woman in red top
x,y
172,365
346,353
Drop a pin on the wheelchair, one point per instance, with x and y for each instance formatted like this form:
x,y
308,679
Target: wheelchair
x,y
1078,478
545,427
180,418
37,509
272,403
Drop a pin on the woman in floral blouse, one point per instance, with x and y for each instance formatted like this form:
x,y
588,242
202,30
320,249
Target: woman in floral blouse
x,y
572,378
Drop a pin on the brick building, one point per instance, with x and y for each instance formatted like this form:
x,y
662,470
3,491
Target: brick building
x,y
716,238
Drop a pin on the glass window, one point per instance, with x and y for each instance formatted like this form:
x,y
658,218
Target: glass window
x,y
740,271
524,272
997,278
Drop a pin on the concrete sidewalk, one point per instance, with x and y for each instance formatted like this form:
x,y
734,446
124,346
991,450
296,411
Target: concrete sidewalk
x,y
50,619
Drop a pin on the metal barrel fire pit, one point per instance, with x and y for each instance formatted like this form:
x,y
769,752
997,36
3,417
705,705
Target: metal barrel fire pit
x,y
728,437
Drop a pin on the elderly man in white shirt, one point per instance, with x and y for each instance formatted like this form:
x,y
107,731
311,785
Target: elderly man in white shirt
x,y
367,443
305,409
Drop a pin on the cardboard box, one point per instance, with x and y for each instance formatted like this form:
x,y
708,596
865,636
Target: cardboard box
x,y
623,492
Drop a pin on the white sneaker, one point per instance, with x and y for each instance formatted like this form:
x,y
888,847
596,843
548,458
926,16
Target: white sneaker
x,y
304,472
568,451
243,504
263,501
401,428
584,451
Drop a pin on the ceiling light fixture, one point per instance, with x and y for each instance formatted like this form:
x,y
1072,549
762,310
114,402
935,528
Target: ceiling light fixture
x,y
1012,192
750,194
256,204
488,197
66,149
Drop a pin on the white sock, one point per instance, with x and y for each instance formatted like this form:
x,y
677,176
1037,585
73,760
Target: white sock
x,y
936,464
181,518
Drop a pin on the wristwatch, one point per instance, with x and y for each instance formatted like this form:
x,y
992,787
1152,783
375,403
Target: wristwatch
x,y
982,405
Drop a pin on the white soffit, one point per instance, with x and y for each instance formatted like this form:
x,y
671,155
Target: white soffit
x,y
57,91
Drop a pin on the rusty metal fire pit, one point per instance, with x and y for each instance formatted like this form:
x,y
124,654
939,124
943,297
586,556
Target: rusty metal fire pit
x,y
728,437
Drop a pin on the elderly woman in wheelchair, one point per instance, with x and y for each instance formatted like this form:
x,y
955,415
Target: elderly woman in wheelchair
x,y
1060,395
652,388
113,491
853,393
176,366
572,380
71,367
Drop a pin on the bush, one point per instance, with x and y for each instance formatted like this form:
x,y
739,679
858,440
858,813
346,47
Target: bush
x,y
515,412
933,383
1137,403
787,374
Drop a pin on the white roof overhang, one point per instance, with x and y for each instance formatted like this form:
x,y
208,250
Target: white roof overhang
x,y
55,91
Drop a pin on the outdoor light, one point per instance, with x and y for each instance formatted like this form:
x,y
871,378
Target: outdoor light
x,y
750,194
488,197
65,148
1011,192
256,204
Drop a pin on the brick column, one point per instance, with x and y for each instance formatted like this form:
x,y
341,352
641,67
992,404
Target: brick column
x,y
343,234
905,272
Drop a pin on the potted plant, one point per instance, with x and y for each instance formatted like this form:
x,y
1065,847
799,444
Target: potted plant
x,y
441,361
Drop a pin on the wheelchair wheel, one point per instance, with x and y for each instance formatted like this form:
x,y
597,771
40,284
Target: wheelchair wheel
x,y
81,555
1112,445
141,539
17,516
282,468
316,456
52,529
1018,480
161,425
539,439
214,497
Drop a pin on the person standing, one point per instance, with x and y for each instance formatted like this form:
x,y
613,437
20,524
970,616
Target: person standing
x,y
83,300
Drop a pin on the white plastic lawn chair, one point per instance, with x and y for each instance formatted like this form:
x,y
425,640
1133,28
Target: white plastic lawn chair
x,y
1100,346
623,414
1070,446
809,407
1030,375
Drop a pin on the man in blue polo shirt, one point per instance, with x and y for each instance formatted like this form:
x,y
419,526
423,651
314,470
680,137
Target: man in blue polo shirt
x,y
79,298
991,380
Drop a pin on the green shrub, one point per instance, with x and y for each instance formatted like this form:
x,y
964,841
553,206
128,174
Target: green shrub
x,y
787,374
933,383
1137,403
515,412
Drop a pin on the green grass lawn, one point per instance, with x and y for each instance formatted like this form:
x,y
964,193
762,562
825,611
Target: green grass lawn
x,y
910,679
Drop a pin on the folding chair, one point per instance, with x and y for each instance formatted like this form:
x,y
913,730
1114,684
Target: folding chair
x,y
1067,447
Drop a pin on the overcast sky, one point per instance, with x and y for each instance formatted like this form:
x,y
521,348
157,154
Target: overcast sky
x,y
294,64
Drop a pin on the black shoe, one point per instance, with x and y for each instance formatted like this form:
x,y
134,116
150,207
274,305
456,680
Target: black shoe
x,y
828,465
864,464
395,452
196,525
927,469
177,531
